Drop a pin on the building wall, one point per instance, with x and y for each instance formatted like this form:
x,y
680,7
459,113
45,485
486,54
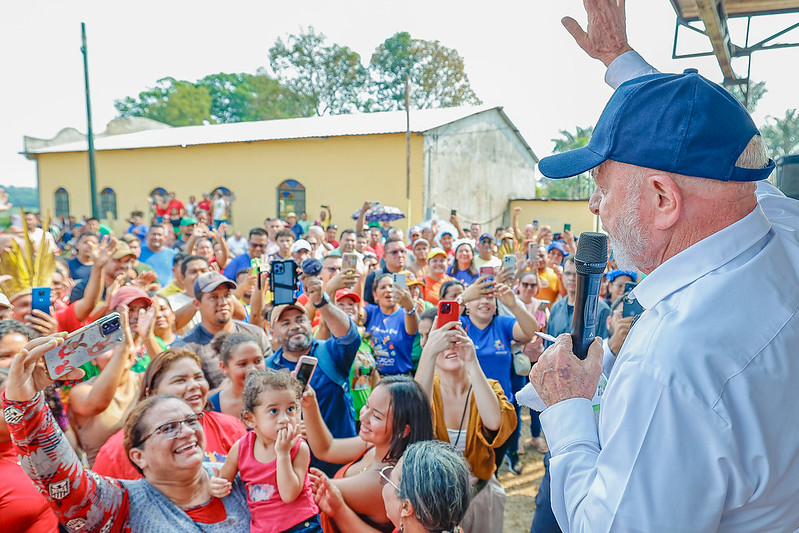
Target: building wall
x,y
476,165
341,172
556,213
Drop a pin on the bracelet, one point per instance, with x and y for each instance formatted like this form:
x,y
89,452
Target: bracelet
x,y
411,312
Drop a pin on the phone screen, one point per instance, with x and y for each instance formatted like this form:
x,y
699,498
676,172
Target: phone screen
x,y
304,373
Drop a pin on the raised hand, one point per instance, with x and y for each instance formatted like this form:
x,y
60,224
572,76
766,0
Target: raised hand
x,y
5,205
28,374
605,37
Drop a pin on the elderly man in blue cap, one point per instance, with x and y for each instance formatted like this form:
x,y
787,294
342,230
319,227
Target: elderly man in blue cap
x,y
698,427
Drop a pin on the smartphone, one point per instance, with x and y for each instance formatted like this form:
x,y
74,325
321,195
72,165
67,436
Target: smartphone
x,y
349,262
532,250
448,311
400,280
535,223
543,305
85,344
567,227
509,261
40,299
453,212
630,306
283,281
304,369
487,271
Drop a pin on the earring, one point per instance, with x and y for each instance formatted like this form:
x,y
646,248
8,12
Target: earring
x,y
401,526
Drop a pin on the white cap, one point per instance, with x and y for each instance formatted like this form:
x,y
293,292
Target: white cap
x,y
301,244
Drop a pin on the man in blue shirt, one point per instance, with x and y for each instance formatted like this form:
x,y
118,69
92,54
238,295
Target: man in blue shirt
x,y
292,330
159,257
257,243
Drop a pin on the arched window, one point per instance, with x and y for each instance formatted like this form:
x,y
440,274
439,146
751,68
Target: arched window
x,y
290,198
61,203
108,204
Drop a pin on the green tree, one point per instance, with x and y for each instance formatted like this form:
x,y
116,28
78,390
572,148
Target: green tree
x,y
330,76
578,187
437,75
755,91
171,101
782,134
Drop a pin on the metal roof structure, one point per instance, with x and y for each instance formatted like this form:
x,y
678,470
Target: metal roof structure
x,y
421,121
715,15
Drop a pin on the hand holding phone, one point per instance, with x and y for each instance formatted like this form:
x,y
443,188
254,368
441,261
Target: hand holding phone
x,y
304,369
448,311
84,345
400,280
40,299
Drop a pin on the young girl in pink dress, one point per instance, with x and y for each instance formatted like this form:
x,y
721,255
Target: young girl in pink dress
x,y
272,459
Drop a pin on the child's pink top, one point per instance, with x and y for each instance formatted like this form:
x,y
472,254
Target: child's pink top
x,y
269,513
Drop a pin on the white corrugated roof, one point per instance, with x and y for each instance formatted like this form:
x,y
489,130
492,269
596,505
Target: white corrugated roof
x,y
292,128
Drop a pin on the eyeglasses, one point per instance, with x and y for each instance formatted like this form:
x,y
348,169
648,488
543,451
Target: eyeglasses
x,y
171,430
528,285
253,245
396,252
385,474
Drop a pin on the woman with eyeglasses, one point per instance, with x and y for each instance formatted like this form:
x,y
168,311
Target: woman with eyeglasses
x,y
396,414
164,439
427,491
177,372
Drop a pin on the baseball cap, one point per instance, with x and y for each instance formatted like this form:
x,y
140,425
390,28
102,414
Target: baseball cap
x,y
416,230
445,232
486,236
613,274
346,293
557,245
420,241
291,214
188,221
128,294
434,252
278,311
209,281
301,244
122,250
679,123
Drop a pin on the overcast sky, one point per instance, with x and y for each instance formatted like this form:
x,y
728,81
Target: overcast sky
x,y
517,55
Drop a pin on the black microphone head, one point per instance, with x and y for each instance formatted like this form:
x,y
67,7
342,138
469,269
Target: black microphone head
x,y
592,253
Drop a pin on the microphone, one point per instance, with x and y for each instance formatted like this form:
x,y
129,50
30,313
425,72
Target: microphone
x,y
590,260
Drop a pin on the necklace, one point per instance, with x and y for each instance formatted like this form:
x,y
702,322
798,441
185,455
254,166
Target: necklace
x,y
463,416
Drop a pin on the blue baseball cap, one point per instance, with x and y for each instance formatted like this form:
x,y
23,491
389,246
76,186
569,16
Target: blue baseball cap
x,y
557,245
679,123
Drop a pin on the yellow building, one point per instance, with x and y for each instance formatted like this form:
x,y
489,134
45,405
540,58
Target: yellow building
x,y
470,159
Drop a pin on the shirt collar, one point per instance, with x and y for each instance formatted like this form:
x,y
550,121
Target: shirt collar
x,y
702,258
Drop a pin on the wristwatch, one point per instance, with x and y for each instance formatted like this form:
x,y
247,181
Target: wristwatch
x,y
324,302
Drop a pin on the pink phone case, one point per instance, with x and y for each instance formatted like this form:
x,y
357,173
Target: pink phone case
x,y
84,344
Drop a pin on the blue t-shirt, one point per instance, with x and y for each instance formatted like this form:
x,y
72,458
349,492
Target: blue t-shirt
x,y
235,265
462,275
391,343
161,263
334,403
492,345
78,270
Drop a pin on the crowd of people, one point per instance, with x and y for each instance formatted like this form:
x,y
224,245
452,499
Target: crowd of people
x,y
203,338
196,417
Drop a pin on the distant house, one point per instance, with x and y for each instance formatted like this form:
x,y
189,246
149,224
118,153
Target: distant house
x,y
472,159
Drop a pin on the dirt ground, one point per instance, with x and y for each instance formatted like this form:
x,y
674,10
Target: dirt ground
x,y
521,490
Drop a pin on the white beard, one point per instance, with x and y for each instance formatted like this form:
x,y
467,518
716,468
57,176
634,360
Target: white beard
x,y
628,239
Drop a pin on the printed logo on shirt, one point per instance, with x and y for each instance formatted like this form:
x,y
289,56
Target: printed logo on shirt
x,y
76,524
59,490
12,415
499,346
260,492
107,526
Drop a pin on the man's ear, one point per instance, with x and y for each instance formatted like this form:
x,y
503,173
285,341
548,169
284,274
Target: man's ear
x,y
196,303
666,202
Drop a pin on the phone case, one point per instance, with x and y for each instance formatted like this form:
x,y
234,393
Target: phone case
x,y
40,299
302,372
84,345
283,281
349,262
509,260
448,311
487,271
400,280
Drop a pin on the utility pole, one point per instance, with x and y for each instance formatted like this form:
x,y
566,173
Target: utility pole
x,y
408,145
90,133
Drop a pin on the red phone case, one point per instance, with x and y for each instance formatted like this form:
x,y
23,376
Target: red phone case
x,y
448,311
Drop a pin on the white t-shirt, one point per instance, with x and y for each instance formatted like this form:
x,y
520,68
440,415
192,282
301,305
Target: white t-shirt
x,y
220,209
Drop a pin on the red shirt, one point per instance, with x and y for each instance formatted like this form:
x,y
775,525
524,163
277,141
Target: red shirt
x,y
204,205
22,506
67,321
176,204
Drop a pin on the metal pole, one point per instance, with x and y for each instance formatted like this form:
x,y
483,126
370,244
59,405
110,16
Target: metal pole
x,y
90,134
408,145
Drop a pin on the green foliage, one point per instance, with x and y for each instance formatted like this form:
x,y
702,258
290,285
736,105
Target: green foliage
x,y
578,187
755,91
27,197
437,75
171,101
782,134
330,76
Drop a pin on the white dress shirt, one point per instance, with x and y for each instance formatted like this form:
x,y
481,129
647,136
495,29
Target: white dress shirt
x,y
699,424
